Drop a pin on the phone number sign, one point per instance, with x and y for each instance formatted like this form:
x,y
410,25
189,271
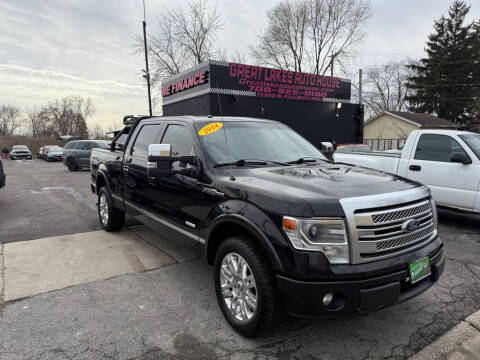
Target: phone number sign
x,y
284,84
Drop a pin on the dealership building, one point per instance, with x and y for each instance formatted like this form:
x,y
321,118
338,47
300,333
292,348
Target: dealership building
x,y
318,107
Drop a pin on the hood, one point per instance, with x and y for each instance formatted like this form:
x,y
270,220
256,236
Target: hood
x,y
321,186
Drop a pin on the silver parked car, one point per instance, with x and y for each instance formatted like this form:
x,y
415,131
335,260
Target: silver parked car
x,y
20,152
76,154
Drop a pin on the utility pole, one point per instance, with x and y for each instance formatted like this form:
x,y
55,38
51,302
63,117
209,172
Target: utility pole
x,y
147,73
331,65
360,86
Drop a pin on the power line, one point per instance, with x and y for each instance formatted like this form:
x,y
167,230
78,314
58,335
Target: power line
x,y
394,54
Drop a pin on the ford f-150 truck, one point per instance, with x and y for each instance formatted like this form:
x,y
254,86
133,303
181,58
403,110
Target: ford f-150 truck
x,y
284,227
447,161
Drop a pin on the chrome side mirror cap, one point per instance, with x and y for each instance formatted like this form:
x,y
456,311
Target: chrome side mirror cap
x,y
159,150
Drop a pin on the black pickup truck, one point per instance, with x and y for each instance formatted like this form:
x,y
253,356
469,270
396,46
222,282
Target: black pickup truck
x,y
284,227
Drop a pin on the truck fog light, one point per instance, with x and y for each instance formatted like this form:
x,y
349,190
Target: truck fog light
x,y
327,299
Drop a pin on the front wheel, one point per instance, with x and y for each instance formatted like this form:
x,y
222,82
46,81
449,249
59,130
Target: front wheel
x,y
72,164
245,286
111,218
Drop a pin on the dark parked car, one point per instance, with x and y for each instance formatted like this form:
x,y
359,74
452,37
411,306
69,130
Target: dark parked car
x,y
2,175
53,153
280,223
20,152
76,154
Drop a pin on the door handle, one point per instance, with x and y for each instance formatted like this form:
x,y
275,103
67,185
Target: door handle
x,y
125,168
415,167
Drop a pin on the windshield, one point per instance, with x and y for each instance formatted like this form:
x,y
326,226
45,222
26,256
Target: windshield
x,y
255,140
54,148
19,147
473,142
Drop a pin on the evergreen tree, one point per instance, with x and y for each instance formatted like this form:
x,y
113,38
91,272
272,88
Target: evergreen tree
x,y
443,83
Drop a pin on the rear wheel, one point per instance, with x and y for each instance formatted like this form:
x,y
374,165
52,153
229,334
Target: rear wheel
x,y
72,164
111,218
245,286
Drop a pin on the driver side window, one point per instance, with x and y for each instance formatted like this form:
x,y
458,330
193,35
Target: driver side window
x,y
181,140
437,148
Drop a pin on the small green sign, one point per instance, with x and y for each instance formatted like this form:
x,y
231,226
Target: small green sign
x,y
419,269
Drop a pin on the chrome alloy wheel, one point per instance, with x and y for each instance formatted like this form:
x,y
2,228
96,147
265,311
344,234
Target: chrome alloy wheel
x,y
103,208
238,287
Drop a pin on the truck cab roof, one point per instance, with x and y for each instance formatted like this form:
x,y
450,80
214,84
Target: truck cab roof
x,y
204,118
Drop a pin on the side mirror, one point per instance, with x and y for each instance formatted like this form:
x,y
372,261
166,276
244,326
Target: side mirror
x,y
160,159
460,157
327,149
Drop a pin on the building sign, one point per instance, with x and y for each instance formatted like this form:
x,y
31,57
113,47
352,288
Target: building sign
x,y
188,82
283,84
249,80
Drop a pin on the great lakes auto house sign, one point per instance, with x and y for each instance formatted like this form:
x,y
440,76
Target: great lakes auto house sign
x,y
256,81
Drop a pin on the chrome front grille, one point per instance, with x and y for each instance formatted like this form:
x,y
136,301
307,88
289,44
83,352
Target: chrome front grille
x,y
378,227
405,240
382,230
401,214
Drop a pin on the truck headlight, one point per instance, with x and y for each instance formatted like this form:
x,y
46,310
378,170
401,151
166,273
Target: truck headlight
x,y
328,236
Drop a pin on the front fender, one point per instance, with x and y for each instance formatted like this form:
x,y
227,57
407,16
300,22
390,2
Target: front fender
x,y
252,219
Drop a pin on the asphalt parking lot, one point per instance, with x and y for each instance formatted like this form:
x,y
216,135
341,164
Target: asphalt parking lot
x,y
168,310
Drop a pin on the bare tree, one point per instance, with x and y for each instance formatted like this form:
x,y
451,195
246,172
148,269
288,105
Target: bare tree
x,y
384,88
168,58
9,119
308,35
236,57
195,29
183,38
66,116
283,43
38,122
96,132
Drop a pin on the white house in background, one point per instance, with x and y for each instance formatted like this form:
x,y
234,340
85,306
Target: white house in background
x,y
390,129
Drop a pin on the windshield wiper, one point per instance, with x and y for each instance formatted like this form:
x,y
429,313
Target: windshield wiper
x,y
306,159
244,162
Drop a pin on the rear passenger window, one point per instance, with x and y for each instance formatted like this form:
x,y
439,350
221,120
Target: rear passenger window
x,y
83,145
437,148
146,136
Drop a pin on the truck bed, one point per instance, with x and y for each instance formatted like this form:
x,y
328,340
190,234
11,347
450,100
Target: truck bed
x,y
382,161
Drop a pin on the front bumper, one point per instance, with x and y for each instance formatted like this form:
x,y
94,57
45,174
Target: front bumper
x,y
20,156
54,157
304,298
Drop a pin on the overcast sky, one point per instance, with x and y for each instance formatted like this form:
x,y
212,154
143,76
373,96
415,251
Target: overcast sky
x,y
53,48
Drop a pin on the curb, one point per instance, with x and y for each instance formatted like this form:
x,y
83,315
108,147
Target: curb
x,y
462,342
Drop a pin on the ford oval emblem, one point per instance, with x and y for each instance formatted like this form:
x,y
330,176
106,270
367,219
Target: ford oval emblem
x,y
410,225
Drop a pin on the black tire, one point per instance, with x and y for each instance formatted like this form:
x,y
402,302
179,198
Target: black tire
x,y
116,217
267,301
72,164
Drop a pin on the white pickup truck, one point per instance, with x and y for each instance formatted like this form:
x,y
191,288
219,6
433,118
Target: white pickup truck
x,y
447,161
